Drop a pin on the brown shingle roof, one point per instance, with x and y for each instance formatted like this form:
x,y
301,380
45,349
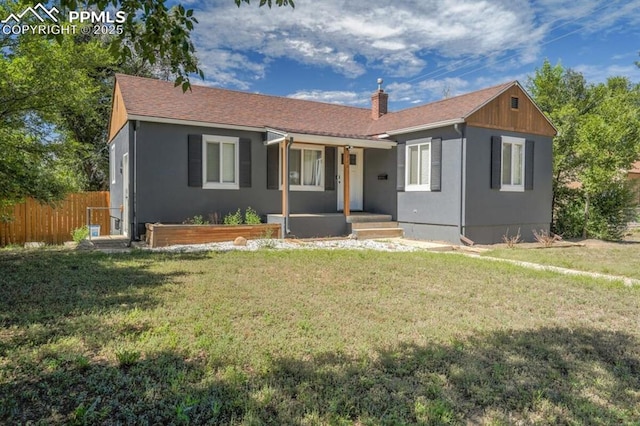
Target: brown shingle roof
x,y
458,107
160,99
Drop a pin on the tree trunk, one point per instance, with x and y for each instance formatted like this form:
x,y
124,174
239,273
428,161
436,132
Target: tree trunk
x,y
553,202
586,215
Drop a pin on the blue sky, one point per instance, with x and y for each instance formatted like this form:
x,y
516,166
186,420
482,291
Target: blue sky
x,y
334,50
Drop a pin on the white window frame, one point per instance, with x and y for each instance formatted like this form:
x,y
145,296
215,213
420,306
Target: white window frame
x,y
510,140
302,148
112,161
221,140
421,186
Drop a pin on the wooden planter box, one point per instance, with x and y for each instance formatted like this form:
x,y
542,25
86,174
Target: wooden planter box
x,y
159,235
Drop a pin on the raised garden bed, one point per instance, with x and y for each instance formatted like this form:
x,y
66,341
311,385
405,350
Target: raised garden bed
x,y
161,235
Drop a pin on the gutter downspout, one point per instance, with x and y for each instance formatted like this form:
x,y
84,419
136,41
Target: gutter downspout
x,y
135,179
133,233
463,175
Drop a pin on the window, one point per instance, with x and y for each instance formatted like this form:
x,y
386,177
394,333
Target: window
x,y
514,102
220,162
353,161
512,173
306,168
418,167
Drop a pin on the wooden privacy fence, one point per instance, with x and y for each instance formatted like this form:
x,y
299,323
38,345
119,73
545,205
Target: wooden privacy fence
x,y
37,222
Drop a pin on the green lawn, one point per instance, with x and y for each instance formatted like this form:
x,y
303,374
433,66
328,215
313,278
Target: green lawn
x,y
616,259
311,337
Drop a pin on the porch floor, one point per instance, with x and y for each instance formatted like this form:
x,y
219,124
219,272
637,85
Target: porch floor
x,y
334,224
106,243
353,218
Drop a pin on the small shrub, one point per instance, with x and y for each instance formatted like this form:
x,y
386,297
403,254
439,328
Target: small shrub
x,y
546,238
233,218
251,217
511,240
80,234
196,220
12,247
268,234
127,358
267,241
610,212
214,218
84,415
82,363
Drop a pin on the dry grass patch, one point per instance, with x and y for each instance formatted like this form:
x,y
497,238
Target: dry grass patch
x,y
608,258
311,337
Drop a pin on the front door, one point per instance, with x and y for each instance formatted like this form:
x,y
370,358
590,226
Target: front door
x,y
355,179
125,195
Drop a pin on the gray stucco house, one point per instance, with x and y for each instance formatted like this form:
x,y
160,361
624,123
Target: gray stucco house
x,y
475,166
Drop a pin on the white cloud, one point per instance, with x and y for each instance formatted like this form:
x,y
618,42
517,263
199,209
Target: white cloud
x,y
589,16
600,74
389,45
333,96
427,90
392,39
229,69
626,56
399,93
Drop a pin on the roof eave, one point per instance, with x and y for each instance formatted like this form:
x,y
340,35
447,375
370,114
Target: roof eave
x,y
163,120
333,140
429,126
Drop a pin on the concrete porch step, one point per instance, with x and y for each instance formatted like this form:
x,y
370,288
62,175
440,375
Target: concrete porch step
x,y
368,217
105,243
370,225
373,233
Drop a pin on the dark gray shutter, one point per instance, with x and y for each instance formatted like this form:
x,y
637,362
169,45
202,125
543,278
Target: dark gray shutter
x,y
195,160
401,160
330,168
528,164
496,161
436,164
273,160
245,162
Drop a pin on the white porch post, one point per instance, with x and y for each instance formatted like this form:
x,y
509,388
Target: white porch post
x,y
285,185
285,147
345,177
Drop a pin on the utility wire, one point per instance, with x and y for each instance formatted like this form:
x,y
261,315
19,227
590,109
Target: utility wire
x,y
465,63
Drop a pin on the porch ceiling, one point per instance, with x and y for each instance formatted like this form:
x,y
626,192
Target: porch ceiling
x,y
330,140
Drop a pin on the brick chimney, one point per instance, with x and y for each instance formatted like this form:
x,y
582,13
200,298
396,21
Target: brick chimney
x,y
379,101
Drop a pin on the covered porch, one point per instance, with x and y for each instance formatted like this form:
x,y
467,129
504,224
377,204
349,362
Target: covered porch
x,y
324,163
361,225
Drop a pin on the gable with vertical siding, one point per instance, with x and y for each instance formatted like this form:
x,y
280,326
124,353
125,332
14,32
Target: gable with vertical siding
x,y
119,115
499,114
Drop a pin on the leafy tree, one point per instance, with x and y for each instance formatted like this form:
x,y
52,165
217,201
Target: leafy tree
x,y
598,140
30,168
562,96
608,144
165,33
89,127
55,95
40,80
